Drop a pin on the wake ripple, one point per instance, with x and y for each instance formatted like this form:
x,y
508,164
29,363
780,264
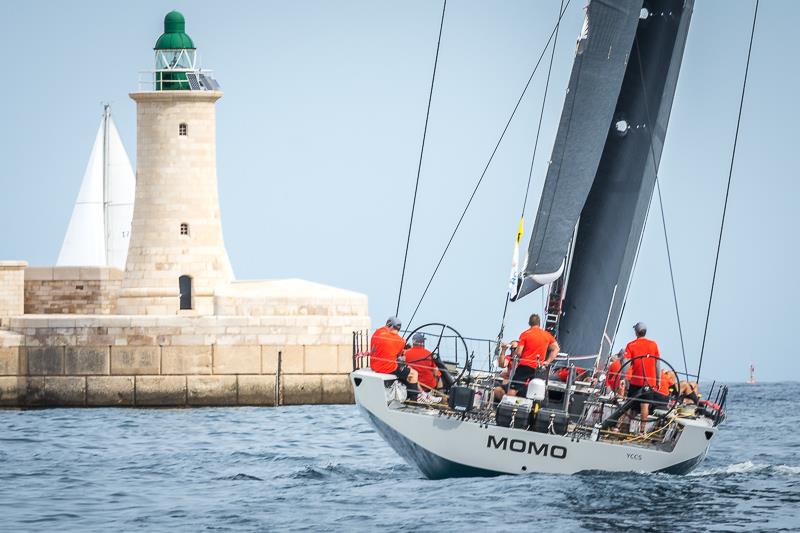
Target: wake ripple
x,y
747,467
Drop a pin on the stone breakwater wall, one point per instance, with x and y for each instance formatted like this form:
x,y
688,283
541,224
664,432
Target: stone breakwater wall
x,y
176,361
71,290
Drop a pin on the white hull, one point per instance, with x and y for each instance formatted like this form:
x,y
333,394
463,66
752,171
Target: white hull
x,y
442,446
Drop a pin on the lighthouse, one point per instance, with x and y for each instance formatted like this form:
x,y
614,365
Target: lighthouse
x,y
173,327
176,257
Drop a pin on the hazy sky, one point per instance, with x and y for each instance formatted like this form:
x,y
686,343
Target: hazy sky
x,y
319,133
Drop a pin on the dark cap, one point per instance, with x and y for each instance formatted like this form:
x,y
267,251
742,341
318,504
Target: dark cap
x,y
393,322
640,328
418,338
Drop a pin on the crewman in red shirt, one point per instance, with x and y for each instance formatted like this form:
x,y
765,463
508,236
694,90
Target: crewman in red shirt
x,y
386,345
421,360
537,348
563,373
644,370
613,378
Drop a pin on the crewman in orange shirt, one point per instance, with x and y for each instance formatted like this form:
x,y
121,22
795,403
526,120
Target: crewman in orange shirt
x,y
613,378
563,373
644,370
386,345
420,359
537,348
666,381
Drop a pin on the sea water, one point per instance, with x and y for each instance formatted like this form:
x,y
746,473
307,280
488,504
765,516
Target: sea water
x,y
323,468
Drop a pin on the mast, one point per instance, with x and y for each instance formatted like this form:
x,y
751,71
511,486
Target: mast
x,y
106,186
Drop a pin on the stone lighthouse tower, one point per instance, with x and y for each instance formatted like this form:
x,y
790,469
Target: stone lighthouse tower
x,y
176,256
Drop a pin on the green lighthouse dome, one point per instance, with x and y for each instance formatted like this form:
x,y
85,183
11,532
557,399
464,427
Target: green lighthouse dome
x,y
174,36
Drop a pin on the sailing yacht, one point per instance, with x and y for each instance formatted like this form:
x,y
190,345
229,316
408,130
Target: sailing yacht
x,y
100,226
586,237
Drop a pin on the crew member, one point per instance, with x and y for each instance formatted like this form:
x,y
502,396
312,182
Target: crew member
x,y
386,345
563,373
504,358
537,348
644,370
421,360
613,378
666,382
690,392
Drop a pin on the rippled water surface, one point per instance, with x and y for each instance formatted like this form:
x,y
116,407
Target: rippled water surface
x,y
323,468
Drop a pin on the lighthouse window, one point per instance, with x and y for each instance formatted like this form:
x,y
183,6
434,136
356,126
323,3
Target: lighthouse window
x,y
185,288
183,129
184,228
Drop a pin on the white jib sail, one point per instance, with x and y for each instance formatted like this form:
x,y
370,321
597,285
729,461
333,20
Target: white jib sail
x,y
99,229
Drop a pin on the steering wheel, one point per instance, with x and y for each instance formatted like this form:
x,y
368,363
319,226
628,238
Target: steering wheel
x,y
673,395
444,332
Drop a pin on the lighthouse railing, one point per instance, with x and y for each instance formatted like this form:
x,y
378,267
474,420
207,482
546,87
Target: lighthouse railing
x,y
169,79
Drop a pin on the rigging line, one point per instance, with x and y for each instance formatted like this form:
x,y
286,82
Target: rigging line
x,y
650,129
535,146
727,190
672,276
541,112
486,168
419,164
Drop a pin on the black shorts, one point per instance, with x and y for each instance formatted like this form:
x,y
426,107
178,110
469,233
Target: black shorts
x,y
402,371
523,375
648,395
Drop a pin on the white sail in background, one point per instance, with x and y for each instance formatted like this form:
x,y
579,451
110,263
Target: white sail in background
x,y
99,230
120,193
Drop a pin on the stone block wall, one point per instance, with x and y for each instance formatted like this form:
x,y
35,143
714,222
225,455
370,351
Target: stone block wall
x,y
175,361
12,279
71,290
163,376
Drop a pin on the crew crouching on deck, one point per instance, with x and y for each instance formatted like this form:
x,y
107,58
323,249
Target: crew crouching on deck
x,y
537,348
385,347
421,360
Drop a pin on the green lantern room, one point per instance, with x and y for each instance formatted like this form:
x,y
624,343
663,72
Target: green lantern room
x,y
176,55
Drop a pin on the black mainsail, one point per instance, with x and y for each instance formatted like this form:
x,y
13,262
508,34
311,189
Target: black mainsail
x,y
603,169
